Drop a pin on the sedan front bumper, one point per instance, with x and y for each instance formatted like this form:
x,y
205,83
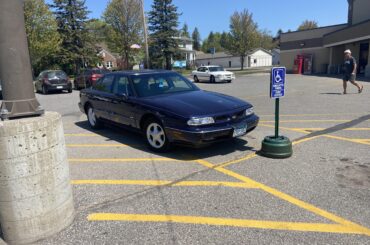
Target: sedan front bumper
x,y
209,135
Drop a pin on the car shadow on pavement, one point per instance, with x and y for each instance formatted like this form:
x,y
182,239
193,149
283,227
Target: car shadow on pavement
x,y
332,93
137,141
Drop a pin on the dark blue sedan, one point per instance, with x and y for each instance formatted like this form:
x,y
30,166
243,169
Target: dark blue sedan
x,y
167,108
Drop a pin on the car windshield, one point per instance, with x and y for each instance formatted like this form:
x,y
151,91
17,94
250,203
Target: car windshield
x,y
157,84
216,68
59,74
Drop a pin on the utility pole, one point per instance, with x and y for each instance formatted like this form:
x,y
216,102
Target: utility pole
x,y
15,66
145,35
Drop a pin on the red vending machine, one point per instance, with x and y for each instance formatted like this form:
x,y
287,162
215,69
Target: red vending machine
x,y
298,64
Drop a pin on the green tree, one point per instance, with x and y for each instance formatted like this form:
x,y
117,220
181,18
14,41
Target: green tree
x,y
43,38
265,40
125,22
224,40
163,23
243,35
308,25
185,31
196,39
77,48
213,41
97,30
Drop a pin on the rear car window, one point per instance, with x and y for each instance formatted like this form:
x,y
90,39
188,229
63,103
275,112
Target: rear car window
x,y
58,74
100,71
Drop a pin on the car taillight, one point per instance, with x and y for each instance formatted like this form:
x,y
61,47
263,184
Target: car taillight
x,y
94,77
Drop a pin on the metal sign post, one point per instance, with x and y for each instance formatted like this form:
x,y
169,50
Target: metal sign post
x,y
277,146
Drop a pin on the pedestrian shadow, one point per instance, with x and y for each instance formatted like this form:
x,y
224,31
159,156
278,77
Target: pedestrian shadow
x,y
332,93
136,140
337,128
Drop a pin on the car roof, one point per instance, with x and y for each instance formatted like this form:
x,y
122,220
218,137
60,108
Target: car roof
x,y
211,66
143,72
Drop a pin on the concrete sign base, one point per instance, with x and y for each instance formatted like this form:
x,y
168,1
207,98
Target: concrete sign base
x,y
35,191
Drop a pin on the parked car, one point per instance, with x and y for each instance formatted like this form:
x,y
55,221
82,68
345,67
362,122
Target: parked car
x,y
88,78
50,80
167,108
1,91
213,74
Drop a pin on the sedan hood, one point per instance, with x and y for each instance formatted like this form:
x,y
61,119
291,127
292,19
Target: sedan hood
x,y
222,73
196,103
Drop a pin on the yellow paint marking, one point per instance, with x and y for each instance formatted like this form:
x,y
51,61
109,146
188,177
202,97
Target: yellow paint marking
x,y
259,224
320,129
304,115
358,141
289,129
250,156
82,135
303,121
95,160
304,140
349,225
163,183
95,145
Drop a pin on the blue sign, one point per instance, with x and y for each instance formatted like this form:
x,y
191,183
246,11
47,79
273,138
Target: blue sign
x,y
179,64
277,87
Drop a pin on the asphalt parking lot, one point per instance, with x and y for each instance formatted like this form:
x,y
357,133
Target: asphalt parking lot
x,y
228,194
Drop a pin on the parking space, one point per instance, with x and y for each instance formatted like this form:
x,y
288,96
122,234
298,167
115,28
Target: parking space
x,y
227,193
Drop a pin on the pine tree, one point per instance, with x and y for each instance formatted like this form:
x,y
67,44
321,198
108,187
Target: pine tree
x,y
163,23
77,49
196,39
185,31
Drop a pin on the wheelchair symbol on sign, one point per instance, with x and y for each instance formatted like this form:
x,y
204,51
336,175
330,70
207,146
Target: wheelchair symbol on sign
x,y
278,78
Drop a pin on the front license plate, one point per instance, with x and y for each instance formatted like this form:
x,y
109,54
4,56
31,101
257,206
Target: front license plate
x,y
59,87
240,131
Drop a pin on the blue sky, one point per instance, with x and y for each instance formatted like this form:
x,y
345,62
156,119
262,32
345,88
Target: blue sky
x,y
214,15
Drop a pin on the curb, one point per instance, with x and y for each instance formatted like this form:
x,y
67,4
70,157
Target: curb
x,y
2,242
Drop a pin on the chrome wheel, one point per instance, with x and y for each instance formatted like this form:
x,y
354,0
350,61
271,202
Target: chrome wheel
x,y
155,135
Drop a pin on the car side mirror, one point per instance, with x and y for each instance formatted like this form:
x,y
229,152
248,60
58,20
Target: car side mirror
x,y
123,96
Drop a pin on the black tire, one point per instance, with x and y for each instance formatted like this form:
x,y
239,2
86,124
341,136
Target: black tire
x,y
70,90
93,121
196,80
160,142
212,79
228,81
45,89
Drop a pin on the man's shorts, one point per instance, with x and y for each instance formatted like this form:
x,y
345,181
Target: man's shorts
x,y
349,77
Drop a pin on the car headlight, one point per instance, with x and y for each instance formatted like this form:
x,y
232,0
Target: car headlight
x,y
198,121
249,111
219,76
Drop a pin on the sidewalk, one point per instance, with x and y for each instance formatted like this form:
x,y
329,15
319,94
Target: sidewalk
x,y
2,242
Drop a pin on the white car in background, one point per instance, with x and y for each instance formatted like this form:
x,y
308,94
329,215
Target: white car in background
x,y
212,74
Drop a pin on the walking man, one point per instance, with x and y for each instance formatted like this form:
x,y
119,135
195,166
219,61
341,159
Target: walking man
x,y
350,68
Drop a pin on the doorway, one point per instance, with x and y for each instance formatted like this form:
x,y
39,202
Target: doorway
x,y
363,57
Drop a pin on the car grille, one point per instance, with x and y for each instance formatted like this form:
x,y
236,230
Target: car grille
x,y
228,76
230,117
57,81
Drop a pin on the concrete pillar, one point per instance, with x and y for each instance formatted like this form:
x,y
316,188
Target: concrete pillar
x,y
367,69
35,191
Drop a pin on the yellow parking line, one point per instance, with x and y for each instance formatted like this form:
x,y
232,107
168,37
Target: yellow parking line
x,y
226,164
320,129
95,145
303,121
82,135
95,160
163,183
358,141
350,225
289,129
304,115
243,223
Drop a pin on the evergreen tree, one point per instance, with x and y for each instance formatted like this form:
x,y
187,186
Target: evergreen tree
x,y
185,31
308,25
196,39
224,40
77,49
163,23
43,37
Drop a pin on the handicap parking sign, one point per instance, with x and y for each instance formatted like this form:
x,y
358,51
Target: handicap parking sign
x,y
277,86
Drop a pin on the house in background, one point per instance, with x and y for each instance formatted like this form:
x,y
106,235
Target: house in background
x,y
255,58
108,60
321,50
186,49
